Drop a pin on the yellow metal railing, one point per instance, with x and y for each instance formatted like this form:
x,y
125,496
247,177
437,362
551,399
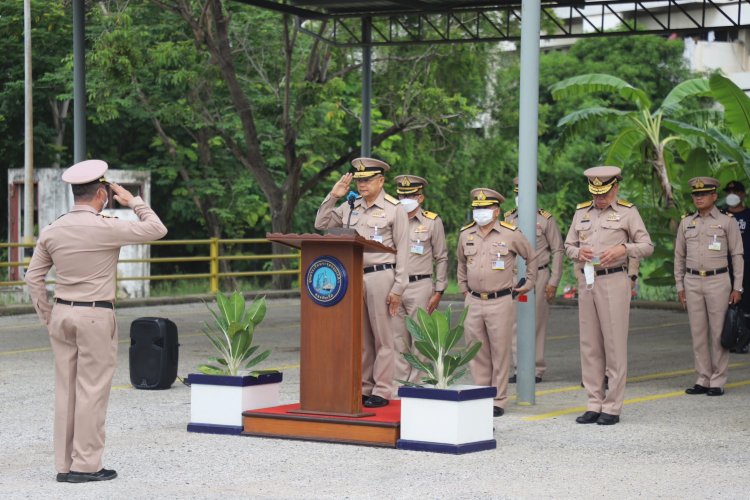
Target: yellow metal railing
x,y
213,258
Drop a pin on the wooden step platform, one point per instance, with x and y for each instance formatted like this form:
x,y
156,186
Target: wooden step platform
x,y
381,429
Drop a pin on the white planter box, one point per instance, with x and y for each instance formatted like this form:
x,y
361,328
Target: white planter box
x,y
217,402
456,420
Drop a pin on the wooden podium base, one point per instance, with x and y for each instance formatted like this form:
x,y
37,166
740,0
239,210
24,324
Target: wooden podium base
x,y
286,422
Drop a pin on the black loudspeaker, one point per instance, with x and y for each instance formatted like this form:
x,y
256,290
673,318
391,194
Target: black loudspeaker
x,y
153,353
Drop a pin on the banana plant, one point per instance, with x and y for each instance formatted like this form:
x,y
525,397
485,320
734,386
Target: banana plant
x,y
644,130
435,340
232,334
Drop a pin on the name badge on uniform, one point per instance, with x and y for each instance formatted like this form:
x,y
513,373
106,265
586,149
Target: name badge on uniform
x,y
714,245
378,213
498,264
417,248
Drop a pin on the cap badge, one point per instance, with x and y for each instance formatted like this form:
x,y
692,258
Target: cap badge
x,y
405,182
481,196
699,184
596,181
360,167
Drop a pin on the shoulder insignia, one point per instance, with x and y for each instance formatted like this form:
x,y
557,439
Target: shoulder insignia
x,y
467,226
729,214
544,213
624,203
391,199
508,225
687,214
585,204
429,215
107,216
509,213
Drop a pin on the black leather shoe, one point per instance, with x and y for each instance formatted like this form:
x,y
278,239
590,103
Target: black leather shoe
x,y
365,398
588,418
512,379
62,477
537,379
85,477
376,402
696,389
497,411
607,419
715,391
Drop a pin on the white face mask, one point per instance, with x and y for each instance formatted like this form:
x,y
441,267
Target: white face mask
x,y
409,204
483,216
733,200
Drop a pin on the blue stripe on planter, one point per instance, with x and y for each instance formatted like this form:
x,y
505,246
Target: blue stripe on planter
x,y
456,449
235,430
264,378
447,394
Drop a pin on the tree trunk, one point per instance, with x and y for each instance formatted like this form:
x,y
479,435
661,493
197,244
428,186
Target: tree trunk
x,y
660,168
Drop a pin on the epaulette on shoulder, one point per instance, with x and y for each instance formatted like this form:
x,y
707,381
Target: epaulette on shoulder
x,y
727,213
624,203
509,213
508,225
585,204
687,214
544,213
391,199
107,216
467,226
429,215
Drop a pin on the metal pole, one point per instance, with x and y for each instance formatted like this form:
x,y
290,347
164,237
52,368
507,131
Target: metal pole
x,y
527,179
28,151
79,82
366,148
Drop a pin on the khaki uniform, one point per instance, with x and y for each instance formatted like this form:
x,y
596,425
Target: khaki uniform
x,y
603,311
704,244
84,247
549,243
426,248
486,265
385,221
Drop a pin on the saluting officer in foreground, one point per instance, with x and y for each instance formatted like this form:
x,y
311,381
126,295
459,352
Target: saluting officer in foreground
x,y
549,243
604,234
427,248
376,216
487,250
84,247
705,239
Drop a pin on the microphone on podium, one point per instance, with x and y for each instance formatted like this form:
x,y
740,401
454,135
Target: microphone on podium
x,y
350,199
346,230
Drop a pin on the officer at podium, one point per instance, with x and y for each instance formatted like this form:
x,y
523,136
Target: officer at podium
x,y
84,246
376,216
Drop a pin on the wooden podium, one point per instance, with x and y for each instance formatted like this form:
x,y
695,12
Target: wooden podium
x,y
331,331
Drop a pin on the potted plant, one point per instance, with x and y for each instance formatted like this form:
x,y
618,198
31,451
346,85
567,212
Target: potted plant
x,y
227,387
437,415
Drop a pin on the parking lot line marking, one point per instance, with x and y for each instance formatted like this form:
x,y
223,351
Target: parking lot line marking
x,y
644,399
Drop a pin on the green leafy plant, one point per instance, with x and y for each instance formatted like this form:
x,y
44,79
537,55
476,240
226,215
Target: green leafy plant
x,y
232,334
435,340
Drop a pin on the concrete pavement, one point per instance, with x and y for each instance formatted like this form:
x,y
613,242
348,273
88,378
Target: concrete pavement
x,y
668,444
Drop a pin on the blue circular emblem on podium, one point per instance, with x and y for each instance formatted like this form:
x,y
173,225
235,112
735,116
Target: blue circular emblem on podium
x,y
326,281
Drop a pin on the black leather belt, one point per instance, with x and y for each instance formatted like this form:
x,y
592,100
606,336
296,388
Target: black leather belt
x,y
609,270
702,272
545,266
96,303
378,267
417,277
491,295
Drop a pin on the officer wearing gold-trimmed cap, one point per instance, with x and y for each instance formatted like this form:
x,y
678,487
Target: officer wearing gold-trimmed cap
x,y
427,248
549,243
376,216
487,250
704,241
604,235
84,246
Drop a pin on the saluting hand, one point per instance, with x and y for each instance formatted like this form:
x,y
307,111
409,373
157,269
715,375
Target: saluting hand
x,y
122,195
341,188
